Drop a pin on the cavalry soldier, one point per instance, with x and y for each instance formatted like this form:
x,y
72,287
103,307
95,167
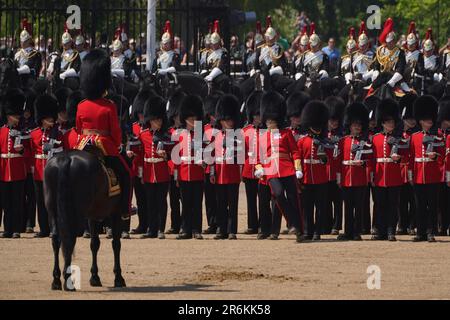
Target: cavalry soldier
x,y
431,60
302,48
225,173
205,50
46,140
69,62
390,62
426,156
270,59
283,166
167,60
80,45
315,62
414,58
13,171
346,63
248,67
354,156
28,59
314,160
217,60
120,64
445,62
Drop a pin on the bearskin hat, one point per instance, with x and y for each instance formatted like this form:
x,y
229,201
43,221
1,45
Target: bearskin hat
x,y
336,108
61,95
14,102
155,108
356,112
253,105
315,115
444,109
72,103
273,107
139,102
209,107
371,104
387,110
295,103
174,104
426,108
406,105
45,106
228,109
191,106
95,74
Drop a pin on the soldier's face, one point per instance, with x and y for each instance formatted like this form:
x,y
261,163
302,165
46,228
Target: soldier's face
x,y
27,114
445,125
62,117
389,126
13,120
227,124
80,47
26,44
48,123
167,46
411,47
390,45
363,48
271,124
215,46
355,129
190,122
428,53
295,121
333,124
426,124
256,120
156,124
67,46
410,123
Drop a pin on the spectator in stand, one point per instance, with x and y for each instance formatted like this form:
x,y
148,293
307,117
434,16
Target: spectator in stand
x,y
302,20
333,55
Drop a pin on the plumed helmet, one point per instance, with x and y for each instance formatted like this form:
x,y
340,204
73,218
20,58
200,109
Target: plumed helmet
x,y
215,36
351,43
314,39
168,34
66,37
411,38
259,38
95,74
363,39
270,33
26,33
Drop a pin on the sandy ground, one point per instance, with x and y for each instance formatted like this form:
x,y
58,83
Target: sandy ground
x,y
242,269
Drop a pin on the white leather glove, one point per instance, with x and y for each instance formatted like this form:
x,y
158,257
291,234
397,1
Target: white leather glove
x,y
276,70
375,75
259,173
24,70
438,77
118,72
69,73
323,74
252,73
162,72
395,78
367,75
299,174
203,72
348,77
298,76
213,74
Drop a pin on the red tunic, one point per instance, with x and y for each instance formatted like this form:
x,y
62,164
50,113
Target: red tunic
x,y
314,170
188,166
170,162
227,170
423,170
136,146
280,149
251,151
447,160
387,171
352,175
156,168
12,163
38,138
70,139
101,116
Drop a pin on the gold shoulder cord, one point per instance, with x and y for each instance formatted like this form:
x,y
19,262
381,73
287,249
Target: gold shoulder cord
x,y
386,62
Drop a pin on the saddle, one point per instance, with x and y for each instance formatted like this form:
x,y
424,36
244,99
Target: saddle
x,y
90,146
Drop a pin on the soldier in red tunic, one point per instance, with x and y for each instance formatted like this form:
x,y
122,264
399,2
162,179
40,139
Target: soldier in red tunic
x,y
314,159
13,171
426,157
444,196
388,148
225,173
156,176
354,158
98,121
280,160
189,170
46,140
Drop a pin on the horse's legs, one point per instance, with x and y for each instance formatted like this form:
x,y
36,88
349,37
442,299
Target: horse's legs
x,y
95,246
56,244
68,246
119,282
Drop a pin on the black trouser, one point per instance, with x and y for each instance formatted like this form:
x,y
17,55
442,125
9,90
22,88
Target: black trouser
x,y
265,211
387,202
29,220
12,201
353,207
227,208
191,199
123,174
175,213
139,192
251,192
407,212
210,203
443,212
156,196
314,196
333,218
427,196
367,222
284,192
44,224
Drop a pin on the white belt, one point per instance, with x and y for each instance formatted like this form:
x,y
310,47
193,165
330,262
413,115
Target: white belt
x,y
421,160
10,155
41,156
312,161
187,159
221,160
153,160
385,160
351,163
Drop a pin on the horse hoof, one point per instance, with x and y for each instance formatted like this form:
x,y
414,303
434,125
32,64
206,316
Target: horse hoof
x,y
56,285
95,281
119,283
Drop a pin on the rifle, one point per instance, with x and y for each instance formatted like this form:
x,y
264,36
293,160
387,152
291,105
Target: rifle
x,y
361,149
322,145
431,142
397,144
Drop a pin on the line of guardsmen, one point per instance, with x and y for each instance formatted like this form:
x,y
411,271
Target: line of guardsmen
x,y
309,162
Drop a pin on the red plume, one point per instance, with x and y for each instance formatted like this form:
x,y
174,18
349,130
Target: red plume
x,y
305,30
268,22
66,29
388,28
351,33
312,28
216,27
429,35
362,28
412,28
258,27
168,28
117,33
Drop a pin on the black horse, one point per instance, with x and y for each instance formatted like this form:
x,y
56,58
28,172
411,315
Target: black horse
x,y
76,187
10,78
